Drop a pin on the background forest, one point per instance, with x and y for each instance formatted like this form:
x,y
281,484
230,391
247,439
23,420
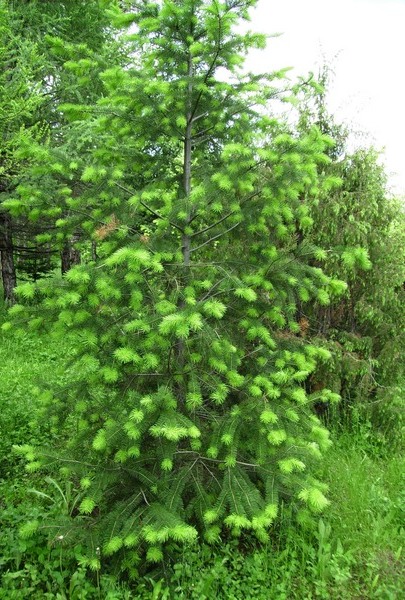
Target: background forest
x,y
203,330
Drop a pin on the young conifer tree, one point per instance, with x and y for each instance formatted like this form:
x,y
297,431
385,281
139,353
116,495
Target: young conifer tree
x,y
185,402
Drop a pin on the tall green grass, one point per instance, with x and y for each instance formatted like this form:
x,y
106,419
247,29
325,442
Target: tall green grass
x,y
27,361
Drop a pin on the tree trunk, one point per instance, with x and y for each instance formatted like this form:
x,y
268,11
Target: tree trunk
x,y
7,257
70,255
94,251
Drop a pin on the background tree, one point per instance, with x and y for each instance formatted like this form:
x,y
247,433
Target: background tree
x,y
361,226
20,99
40,39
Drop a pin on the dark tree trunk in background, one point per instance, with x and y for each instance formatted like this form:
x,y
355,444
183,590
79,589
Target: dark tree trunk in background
x,y
94,251
70,255
7,256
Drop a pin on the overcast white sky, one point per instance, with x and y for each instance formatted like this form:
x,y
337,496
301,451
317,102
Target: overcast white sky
x,y
365,42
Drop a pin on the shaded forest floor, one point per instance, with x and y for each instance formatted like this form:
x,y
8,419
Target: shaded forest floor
x,y
353,551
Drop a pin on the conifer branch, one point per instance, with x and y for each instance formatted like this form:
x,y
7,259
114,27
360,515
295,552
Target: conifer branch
x,y
213,225
216,460
211,473
209,293
230,214
142,203
79,462
198,117
216,237
210,69
144,497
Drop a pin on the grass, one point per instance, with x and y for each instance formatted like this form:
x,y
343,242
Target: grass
x,y
26,362
354,551
366,517
367,496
